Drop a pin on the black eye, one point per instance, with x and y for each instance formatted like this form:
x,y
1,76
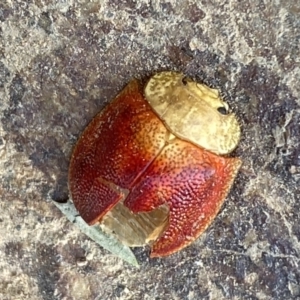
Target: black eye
x,y
222,110
184,80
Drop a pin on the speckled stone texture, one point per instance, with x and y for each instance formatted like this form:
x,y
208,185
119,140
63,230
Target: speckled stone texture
x,y
62,61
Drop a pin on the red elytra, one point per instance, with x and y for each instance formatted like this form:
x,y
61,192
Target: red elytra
x,y
127,153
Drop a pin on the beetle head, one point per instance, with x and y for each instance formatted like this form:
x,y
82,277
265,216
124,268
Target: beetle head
x,y
193,112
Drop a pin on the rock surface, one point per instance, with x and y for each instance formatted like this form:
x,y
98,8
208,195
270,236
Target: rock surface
x,y
62,61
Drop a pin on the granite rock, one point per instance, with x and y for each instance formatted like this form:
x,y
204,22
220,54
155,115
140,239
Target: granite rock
x,y
62,61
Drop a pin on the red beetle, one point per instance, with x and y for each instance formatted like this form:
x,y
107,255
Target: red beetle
x,y
152,167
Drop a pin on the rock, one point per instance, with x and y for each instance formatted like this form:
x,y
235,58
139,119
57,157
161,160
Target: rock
x,y
62,61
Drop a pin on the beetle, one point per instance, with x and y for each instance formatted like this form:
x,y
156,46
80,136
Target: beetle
x,y
153,167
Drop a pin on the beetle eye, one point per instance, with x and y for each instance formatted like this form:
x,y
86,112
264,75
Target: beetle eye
x,y
184,80
222,110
